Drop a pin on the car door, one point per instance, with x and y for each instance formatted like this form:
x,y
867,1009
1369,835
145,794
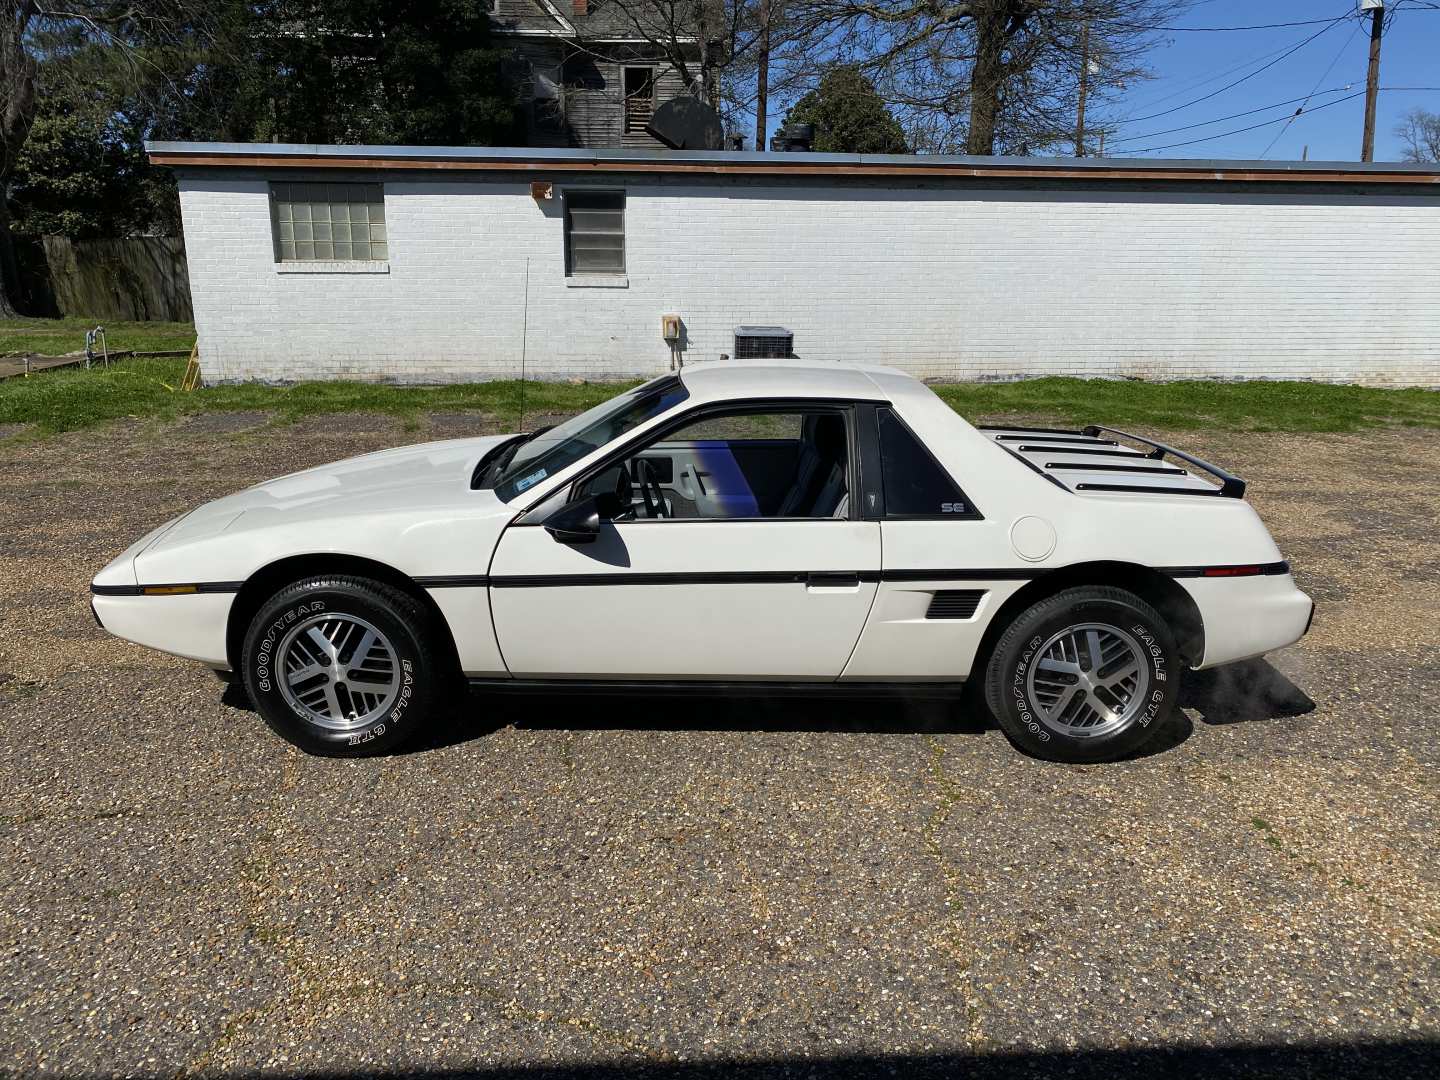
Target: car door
x,y
753,576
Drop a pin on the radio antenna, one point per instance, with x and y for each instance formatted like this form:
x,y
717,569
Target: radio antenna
x,y
524,339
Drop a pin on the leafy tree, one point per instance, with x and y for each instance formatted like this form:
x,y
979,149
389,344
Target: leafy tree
x,y
91,81
82,171
1419,134
32,36
849,116
373,71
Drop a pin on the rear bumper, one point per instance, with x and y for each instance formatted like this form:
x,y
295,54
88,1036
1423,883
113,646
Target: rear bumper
x,y
1245,617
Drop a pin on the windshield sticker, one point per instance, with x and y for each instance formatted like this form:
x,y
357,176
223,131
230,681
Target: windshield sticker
x,y
530,481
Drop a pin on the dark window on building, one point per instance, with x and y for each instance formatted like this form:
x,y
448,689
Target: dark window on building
x,y
594,232
915,483
639,97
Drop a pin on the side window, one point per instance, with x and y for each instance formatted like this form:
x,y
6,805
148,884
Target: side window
x,y
782,463
594,232
915,484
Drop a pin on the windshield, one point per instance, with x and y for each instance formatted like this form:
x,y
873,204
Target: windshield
x,y
551,451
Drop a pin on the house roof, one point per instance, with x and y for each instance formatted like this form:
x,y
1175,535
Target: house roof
x,y
602,24
750,163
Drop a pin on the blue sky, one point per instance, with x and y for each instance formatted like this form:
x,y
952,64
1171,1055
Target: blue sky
x,y
1191,65
1194,65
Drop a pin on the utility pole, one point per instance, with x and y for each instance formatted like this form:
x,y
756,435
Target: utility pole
x,y
1084,88
762,77
1372,79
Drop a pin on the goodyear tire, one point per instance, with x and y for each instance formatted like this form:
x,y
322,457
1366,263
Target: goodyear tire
x,y
342,666
1090,674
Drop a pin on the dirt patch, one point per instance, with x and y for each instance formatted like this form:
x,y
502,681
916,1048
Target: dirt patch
x,y
226,423
462,425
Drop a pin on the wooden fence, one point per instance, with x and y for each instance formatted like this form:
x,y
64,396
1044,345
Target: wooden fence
x,y
143,278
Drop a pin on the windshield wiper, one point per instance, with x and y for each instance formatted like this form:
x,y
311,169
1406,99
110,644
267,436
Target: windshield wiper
x,y
497,459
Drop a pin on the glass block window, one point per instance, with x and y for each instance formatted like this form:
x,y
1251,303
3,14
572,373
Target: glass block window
x,y
329,222
594,232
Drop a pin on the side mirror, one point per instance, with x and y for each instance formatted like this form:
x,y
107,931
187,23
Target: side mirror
x,y
578,522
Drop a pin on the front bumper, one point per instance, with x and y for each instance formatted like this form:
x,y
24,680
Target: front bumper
x,y
192,626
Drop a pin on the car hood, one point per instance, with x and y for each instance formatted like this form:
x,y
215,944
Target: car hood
x,y
427,474
349,506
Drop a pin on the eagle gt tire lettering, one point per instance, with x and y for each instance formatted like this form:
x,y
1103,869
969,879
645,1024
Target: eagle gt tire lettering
x,y
1089,674
342,666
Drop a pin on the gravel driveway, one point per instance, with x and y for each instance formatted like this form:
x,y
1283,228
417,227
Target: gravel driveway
x,y
807,888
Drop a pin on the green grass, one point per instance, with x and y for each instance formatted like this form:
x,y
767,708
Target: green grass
x,y
56,337
1243,406
70,398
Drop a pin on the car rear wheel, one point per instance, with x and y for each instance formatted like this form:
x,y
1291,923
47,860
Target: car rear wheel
x,y
1089,674
342,666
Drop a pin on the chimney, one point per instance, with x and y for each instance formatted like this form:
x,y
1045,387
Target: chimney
x,y
582,7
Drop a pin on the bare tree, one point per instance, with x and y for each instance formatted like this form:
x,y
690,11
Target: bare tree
x,y
982,75
1419,134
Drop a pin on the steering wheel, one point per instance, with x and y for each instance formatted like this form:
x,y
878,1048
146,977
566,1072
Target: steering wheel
x,y
650,491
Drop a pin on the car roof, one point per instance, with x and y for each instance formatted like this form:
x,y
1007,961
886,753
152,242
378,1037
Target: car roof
x,y
721,380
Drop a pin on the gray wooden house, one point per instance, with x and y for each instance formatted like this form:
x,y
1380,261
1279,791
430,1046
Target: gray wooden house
x,y
589,73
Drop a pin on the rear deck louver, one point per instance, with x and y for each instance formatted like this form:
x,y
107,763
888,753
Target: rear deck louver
x,y
954,604
763,343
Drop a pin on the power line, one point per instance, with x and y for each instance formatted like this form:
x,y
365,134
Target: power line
x,y
1233,116
1244,78
1209,29
1325,75
1195,83
1241,131
1267,123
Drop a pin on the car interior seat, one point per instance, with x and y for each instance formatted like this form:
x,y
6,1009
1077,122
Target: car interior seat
x,y
819,489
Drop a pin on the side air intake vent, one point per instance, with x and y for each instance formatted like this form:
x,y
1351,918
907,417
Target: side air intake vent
x,y
954,604
763,343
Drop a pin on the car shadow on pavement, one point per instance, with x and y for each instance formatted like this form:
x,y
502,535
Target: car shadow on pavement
x,y
1243,692
1390,1060
479,713
740,711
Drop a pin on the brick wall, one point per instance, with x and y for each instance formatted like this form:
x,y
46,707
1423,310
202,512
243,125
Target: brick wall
x,y
951,282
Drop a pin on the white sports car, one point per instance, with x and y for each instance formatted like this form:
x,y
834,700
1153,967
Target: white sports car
x,y
778,524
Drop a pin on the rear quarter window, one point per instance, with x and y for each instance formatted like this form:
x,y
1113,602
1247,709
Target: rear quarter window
x,y
916,485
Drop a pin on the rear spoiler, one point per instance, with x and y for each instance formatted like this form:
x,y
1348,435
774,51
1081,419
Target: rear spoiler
x,y
1231,486
1088,445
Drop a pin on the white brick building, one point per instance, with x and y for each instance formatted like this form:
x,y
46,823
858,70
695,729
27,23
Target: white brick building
x,y
951,268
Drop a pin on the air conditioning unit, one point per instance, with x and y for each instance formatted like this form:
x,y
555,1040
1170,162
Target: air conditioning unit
x,y
763,343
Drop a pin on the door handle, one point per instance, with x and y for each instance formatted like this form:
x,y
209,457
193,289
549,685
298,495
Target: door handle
x,y
839,580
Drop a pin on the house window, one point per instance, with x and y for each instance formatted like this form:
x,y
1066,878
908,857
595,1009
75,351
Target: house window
x,y
329,222
594,232
639,97
549,99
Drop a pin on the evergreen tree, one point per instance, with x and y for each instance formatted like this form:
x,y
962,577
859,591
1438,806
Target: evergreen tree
x,y
849,116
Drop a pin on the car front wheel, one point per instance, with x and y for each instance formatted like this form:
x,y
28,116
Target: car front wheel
x,y
341,666
1089,674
